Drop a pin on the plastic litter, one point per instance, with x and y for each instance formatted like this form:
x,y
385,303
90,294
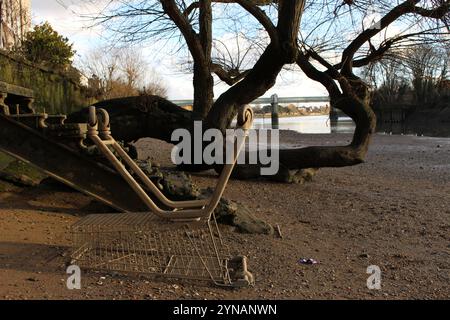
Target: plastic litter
x,y
308,261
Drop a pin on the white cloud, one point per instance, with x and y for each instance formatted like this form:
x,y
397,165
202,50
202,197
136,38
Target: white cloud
x,y
64,15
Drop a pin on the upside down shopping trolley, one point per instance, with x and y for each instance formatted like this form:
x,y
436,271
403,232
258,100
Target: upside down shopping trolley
x,y
182,241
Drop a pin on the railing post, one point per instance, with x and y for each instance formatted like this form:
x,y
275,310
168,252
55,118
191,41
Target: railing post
x,y
275,110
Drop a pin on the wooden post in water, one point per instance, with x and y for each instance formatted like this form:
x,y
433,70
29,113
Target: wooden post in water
x,y
275,110
334,116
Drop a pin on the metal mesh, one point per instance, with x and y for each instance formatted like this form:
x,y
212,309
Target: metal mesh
x,y
145,243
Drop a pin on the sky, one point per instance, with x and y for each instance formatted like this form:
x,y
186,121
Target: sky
x,y
63,16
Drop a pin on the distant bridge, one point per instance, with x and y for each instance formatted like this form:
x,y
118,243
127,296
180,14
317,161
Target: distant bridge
x,y
268,101
275,101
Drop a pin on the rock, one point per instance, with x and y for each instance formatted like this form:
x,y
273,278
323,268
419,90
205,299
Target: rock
x,y
22,174
302,176
176,185
284,175
234,214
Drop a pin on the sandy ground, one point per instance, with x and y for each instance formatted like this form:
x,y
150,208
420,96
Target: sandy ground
x,y
393,212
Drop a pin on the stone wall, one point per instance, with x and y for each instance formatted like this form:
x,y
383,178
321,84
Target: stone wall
x,y
54,91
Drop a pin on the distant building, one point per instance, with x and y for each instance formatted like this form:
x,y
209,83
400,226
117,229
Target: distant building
x,y
15,22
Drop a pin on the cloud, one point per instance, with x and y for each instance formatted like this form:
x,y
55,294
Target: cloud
x,y
65,17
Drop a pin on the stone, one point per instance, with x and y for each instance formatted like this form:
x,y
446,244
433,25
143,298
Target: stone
x,y
284,175
234,214
21,174
300,176
178,186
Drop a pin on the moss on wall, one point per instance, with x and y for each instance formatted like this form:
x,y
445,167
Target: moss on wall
x,y
54,91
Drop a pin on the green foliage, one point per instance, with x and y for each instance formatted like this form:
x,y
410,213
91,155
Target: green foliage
x,y
43,45
56,91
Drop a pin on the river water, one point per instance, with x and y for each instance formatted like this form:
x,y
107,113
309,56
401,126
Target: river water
x,y
308,124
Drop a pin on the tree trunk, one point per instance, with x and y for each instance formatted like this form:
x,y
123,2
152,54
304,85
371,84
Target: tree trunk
x,y
139,117
203,79
262,77
322,157
154,117
203,90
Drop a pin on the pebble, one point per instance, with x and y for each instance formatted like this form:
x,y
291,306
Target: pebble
x,y
32,280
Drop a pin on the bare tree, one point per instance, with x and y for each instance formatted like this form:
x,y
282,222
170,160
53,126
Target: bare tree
x,y
427,65
15,22
117,73
327,39
421,70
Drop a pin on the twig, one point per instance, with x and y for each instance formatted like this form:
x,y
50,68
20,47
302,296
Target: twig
x,y
279,231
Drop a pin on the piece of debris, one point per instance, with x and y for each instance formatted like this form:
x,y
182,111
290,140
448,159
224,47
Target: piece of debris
x,y
284,175
234,214
308,262
279,231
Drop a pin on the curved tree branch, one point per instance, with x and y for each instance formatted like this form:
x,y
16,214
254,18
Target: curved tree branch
x,y
183,24
265,72
229,77
408,6
261,16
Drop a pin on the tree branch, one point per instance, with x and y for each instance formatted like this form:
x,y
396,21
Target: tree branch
x,y
251,6
195,5
261,16
437,13
229,77
322,77
183,24
264,74
409,6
